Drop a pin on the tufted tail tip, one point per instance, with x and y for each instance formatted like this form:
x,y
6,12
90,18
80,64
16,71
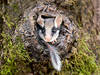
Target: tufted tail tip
x,y
55,58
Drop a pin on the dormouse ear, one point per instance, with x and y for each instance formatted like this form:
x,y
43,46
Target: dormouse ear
x,y
58,20
40,21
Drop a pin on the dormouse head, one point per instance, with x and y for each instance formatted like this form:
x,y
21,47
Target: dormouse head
x,y
49,27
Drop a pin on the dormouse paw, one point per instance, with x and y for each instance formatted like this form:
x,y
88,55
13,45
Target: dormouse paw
x,y
54,41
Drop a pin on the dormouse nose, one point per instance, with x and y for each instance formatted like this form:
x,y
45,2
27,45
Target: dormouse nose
x,y
47,38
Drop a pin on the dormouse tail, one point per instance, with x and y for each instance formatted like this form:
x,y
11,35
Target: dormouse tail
x,y
55,58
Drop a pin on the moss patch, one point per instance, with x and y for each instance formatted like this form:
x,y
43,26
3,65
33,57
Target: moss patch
x,y
13,56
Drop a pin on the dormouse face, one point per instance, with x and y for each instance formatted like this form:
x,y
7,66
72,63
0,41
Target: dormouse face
x,y
49,27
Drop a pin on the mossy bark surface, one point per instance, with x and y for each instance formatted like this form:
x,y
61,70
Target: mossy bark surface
x,y
83,60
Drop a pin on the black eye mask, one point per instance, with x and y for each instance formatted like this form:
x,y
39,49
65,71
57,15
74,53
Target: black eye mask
x,y
39,27
43,30
54,30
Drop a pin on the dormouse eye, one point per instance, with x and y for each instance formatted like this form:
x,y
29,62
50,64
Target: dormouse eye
x,y
54,29
43,30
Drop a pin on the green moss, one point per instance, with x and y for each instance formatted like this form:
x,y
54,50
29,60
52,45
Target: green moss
x,y
12,15
82,62
8,21
14,56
